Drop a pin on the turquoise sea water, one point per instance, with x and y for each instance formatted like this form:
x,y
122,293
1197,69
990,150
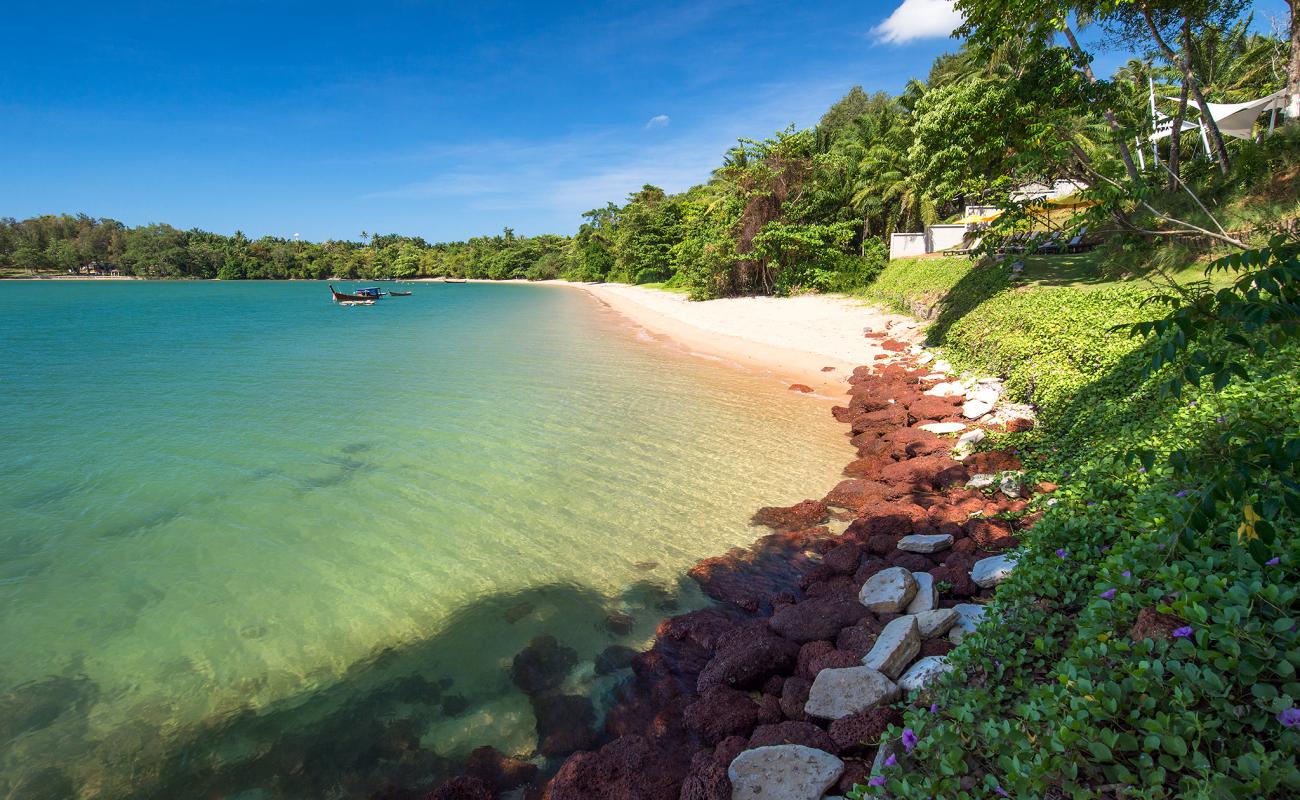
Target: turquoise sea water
x,y
256,545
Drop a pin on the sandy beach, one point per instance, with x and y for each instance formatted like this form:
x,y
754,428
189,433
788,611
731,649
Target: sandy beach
x,y
791,338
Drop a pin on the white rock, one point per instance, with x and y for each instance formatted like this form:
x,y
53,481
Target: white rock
x,y
981,480
895,647
974,409
784,772
947,389
837,693
889,590
969,616
989,572
933,376
942,427
925,543
1010,484
986,394
942,366
971,437
925,358
923,672
936,622
927,597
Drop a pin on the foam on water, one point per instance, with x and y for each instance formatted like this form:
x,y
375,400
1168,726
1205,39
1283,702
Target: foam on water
x,y
251,539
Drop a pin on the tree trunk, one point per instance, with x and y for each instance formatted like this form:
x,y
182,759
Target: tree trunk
x,y
1176,136
1124,153
1190,81
1293,68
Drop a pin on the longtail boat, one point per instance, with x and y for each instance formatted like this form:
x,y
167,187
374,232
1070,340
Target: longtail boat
x,y
352,299
400,294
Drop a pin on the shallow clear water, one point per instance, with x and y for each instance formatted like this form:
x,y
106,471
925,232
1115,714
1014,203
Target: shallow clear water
x,y
245,533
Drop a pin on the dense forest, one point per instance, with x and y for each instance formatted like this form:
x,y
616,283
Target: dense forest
x,y
813,209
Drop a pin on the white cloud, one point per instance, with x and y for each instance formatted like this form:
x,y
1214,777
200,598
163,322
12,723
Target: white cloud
x,y
658,121
919,19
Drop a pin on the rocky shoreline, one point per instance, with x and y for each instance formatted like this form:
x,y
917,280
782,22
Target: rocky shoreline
x,y
849,604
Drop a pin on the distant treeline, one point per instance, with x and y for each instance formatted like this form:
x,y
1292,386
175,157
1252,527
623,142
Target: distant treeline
x,y
812,209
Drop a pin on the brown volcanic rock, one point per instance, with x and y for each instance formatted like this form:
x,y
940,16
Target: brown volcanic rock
x,y
913,562
867,469
542,665
844,558
464,787
869,444
892,416
790,732
721,712
925,472
992,461
957,577
794,695
776,563
817,617
937,646
860,733
855,772
893,345
841,413
746,657
835,659
859,639
801,387
991,534
498,770
564,723
707,779
809,653
628,768
1156,625
800,516
855,493
933,408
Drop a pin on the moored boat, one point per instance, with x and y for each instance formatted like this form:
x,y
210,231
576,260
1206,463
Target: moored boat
x,y
352,299
400,294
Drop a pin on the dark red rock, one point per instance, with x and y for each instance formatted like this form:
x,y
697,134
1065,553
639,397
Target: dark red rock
x,y
883,545
957,577
870,566
565,723
817,617
925,472
844,558
893,345
855,772
799,516
860,733
841,413
498,770
721,712
464,787
1019,425
614,658
835,659
856,492
628,768
773,685
914,562
790,732
933,408
859,639
809,653
936,647
794,695
707,779
992,461
542,665
990,534
746,657
868,469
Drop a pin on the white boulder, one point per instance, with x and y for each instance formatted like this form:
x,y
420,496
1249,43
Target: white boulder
x,y
989,572
927,596
936,622
895,647
982,480
969,616
974,409
923,672
783,772
888,591
925,542
947,389
942,427
837,693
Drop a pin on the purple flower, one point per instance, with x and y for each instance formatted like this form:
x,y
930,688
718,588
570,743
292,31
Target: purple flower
x,y
1191,403
891,760
1092,503
909,739
1060,553
1107,595
1290,718
1104,548
1127,573
1142,469
1001,792
1182,492
934,708
876,780
1273,562
1184,632
1221,420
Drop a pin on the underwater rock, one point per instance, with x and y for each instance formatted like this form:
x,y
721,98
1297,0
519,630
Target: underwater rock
x,y
614,658
542,665
565,723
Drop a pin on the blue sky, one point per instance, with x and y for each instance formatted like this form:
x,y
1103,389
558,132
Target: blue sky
x,y
443,120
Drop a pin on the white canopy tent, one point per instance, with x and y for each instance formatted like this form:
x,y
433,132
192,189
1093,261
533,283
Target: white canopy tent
x,y
1238,119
